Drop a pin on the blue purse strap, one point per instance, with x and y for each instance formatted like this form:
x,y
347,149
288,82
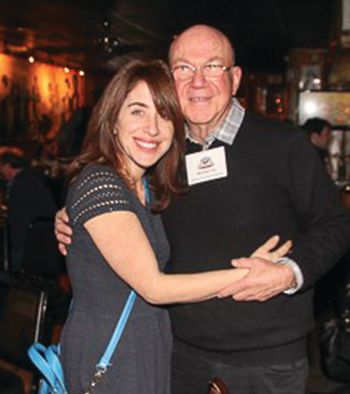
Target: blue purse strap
x,y
105,359
147,189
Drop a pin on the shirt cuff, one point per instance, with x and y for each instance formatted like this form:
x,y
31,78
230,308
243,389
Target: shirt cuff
x,y
299,278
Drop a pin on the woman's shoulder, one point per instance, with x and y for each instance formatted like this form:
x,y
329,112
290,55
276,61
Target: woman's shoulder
x,y
102,171
98,188
98,175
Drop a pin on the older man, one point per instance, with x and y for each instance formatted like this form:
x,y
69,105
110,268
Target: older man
x,y
249,178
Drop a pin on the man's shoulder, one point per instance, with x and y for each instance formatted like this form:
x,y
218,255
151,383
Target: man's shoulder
x,y
260,126
273,125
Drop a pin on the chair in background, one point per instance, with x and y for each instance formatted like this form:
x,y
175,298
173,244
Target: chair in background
x,y
4,245
22,316
44,267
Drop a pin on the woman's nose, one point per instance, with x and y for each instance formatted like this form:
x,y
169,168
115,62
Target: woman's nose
x,y
152,126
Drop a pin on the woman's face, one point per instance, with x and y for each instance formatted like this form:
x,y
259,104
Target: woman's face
x,y
144,135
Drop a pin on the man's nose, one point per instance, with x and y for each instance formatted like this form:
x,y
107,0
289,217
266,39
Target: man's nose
x,y
198,78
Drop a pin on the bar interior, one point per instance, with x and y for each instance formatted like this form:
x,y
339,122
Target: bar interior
x,y
55,59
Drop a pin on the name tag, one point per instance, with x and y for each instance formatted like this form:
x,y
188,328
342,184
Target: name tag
x,y
206,165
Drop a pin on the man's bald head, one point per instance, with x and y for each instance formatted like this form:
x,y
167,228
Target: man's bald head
x,y
203,34
205,99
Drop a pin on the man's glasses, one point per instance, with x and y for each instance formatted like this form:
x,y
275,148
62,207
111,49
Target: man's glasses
x,y
210,71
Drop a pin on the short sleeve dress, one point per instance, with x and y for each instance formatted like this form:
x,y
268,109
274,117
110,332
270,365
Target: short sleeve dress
x,y
141,363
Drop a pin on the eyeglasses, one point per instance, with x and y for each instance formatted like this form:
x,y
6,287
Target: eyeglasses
x,y
210,71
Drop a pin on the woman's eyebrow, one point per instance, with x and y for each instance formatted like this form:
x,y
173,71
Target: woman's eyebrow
x,y
137,103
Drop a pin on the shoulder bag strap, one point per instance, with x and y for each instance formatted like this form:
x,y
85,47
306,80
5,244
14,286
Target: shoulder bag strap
x,y
105,359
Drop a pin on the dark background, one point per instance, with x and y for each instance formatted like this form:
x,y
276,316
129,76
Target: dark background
x,y
73,31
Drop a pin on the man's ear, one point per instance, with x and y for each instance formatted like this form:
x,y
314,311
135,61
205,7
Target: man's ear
x,y
315,139
236,73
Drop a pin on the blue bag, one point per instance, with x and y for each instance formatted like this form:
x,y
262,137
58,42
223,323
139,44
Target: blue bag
x,y
47,360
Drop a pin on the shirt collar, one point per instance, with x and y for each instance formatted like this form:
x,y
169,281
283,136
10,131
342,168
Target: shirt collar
x,y
229,128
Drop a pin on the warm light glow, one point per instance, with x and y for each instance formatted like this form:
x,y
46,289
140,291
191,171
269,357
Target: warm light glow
x,y
7,64
81,73
310,108
66,70
31,59
49,89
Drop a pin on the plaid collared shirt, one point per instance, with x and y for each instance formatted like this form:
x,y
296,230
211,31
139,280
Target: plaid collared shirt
x,y
227,131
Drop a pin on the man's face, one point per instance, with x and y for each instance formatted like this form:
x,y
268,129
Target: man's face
x,y
322,139
325,137
205,101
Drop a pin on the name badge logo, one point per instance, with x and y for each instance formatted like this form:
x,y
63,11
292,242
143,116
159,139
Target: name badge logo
x,y
205,162
206,165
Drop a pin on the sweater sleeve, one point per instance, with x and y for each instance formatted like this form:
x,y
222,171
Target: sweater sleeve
x,y
324,224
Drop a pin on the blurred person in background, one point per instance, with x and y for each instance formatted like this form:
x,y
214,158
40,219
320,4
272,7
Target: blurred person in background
x,y
28,199
319,132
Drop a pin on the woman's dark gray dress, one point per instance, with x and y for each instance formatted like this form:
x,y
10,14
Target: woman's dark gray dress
x,y
141,362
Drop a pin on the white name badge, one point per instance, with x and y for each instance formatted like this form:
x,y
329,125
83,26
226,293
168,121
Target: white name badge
x,y
206,165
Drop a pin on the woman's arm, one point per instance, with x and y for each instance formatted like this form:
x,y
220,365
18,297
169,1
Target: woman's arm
x,y
122,241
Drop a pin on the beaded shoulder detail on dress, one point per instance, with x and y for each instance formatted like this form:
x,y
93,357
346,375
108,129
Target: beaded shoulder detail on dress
x,y
100,191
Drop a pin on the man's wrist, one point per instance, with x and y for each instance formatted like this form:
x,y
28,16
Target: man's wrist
x,y
298,279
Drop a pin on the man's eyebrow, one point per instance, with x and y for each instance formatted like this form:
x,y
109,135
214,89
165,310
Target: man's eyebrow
x,y
215,59
212,59
180,60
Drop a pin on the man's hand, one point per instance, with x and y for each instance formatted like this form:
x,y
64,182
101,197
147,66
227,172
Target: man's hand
x,y
264,280
269,250
63,231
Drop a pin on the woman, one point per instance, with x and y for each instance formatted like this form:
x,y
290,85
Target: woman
x,y
118,241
